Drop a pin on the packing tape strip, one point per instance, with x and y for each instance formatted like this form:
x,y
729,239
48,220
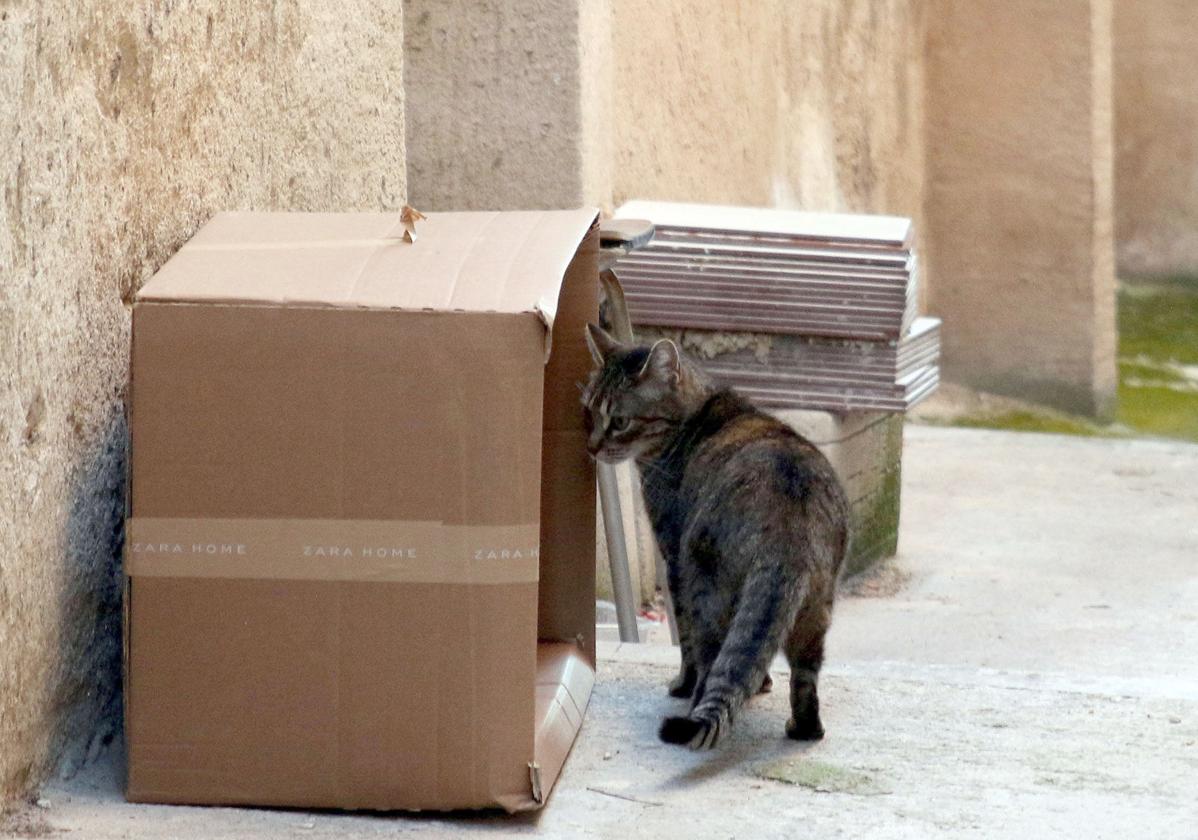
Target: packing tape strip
x,y
332,549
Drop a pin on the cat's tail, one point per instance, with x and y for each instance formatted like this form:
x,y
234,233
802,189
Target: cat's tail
x,y
762,620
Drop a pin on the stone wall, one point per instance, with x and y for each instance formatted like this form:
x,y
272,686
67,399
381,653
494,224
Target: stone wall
x,y
507,102
528,104
1156,136
814,105
124,127
1019,207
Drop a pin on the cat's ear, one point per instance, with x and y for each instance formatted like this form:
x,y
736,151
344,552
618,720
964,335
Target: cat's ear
x,y
613,311
601,344
663,363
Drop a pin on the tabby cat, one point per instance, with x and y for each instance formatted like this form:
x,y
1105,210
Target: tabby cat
x,y
749,517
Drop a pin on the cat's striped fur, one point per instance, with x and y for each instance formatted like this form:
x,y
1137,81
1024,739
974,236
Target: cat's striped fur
x,y
749,517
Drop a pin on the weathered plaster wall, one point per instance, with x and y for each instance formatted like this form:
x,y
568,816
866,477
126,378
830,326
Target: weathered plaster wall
x,y
1156,136
814,105
506,103
1019,207
544,104
123,127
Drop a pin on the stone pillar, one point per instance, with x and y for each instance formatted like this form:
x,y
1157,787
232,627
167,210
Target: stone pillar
x,y
508,103
1018,197
509,106
123,128
1156,137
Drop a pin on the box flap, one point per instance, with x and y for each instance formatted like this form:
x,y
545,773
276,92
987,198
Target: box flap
x,y
473,262
565,679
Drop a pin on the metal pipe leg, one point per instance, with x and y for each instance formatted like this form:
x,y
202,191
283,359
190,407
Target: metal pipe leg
x,y
671,617
663,584
617,553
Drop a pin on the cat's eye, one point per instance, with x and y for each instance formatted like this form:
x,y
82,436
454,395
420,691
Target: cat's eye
x,y
618,424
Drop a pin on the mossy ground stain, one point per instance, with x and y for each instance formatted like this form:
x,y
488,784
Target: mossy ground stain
x,y
821,777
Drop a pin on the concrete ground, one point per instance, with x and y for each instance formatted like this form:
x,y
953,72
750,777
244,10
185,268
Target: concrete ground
x,y
1025,669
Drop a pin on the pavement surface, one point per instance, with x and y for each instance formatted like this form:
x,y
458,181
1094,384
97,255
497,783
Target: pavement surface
x,y
1026,668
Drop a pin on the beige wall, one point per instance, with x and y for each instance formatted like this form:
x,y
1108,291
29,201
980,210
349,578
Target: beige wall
x,y
507,103
1019,209
1156,136
814,105
122,131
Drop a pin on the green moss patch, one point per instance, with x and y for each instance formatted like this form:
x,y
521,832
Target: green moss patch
x,y
821,777
1159,411
875,518
1143,369
1158,358
1158,375
1031,420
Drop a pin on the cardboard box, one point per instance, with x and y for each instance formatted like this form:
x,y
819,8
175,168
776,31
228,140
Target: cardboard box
x,y
361,549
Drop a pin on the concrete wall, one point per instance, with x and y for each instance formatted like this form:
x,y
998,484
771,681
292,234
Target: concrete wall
x,y
124,127
1019,208
545,104
1156,136
815,105
507,103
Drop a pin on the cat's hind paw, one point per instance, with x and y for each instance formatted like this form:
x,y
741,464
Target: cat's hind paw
x,y
695,733
808,729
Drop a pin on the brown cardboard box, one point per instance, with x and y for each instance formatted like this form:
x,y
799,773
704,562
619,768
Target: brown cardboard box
x,y
361,548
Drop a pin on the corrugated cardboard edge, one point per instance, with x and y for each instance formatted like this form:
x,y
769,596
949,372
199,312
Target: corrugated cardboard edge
x,y
546,313
126,581
565,680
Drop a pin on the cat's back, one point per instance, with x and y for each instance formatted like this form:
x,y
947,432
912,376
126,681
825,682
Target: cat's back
x,y
751,454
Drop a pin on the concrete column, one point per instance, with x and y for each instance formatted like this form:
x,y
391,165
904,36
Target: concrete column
x,y
1018,197
1156,137
508,103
